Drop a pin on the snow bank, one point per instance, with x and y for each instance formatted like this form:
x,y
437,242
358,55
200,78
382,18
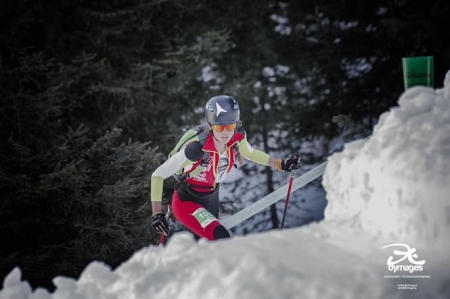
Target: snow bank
x,y
284,264
395,185
290,264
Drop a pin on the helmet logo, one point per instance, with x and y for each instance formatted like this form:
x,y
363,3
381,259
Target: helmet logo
x,y
219,109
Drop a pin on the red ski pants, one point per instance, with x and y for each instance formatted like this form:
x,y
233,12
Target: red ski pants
x,y
199,215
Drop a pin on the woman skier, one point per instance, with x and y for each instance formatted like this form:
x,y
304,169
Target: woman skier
x,y
200,162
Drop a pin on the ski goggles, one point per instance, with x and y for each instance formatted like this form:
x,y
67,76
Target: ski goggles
x,y
220,128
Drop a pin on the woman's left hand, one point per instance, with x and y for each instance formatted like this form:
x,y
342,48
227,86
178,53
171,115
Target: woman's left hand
x,y
292,163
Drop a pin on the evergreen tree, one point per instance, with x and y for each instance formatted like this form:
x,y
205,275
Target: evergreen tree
x,y
67,197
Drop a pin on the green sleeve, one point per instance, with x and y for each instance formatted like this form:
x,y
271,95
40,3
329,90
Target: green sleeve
x,y
252,154
156,188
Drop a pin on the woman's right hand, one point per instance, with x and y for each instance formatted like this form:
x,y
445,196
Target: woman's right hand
x,y
160,223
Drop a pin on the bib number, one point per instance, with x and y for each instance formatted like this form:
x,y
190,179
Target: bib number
x,y
204,217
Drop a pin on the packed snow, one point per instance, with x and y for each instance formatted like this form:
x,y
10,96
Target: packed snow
x,y
396,184
391,188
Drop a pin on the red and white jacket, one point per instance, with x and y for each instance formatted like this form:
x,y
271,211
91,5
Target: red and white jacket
x,y
198,170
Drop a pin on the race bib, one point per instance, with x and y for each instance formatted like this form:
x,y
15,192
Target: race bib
x,y
204,217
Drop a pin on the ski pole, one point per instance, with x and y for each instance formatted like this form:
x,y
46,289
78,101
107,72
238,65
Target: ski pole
x,y
162,238
291,179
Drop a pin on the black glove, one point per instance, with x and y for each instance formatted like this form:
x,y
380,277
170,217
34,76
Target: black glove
x,y
160,224
292,163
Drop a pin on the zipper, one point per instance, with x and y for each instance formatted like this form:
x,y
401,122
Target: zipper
x,y
214,166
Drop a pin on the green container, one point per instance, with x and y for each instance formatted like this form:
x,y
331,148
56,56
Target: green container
x,y
418,71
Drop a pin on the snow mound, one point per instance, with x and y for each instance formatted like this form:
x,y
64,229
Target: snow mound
x,y
284,264
395,185
295,263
